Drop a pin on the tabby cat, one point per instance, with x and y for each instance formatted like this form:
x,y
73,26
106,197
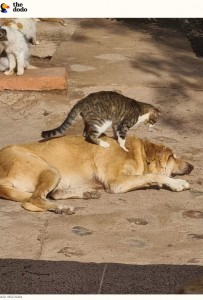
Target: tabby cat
x,y
101,110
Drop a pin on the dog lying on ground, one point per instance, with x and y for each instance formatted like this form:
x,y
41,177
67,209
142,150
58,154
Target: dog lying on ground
x,y
69,167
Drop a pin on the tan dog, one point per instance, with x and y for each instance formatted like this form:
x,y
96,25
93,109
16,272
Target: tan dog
x,y
70,167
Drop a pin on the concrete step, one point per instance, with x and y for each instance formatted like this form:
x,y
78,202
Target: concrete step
x,y
35,80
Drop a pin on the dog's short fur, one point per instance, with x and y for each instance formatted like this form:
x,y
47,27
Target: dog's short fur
x,y
69,167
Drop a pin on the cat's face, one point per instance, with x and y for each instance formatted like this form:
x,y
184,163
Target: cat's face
x,y
3,35
153,117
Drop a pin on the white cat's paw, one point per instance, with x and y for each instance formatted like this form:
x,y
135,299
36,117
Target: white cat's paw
x,y
179,185
21,72
9,72
104,144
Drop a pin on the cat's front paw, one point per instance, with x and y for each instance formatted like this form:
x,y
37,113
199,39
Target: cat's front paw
x,y
9,72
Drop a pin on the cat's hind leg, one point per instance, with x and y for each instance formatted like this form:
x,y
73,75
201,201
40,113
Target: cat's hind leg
x,y
12,64
93,136
115,134
95,131
85,129
122,130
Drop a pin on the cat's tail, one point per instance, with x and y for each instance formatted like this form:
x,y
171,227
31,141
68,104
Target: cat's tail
x,y
64,126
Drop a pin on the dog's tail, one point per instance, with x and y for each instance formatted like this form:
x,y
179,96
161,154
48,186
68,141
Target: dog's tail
x,y
75,111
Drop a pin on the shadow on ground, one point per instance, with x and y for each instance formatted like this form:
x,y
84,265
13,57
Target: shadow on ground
x,y
162,60
62,277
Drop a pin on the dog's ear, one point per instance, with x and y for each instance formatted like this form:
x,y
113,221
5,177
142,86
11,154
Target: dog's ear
x,y
157,152
164,155
151,151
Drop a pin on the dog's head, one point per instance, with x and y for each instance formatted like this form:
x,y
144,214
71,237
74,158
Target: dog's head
x,y
161,159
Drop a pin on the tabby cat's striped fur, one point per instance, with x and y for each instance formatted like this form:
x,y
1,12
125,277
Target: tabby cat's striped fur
x,y
104,109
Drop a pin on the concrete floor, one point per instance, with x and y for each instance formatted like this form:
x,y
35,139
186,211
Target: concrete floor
x,y
101,249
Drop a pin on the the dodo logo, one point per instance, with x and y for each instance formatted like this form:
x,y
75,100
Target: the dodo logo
x,y
18,7
4,8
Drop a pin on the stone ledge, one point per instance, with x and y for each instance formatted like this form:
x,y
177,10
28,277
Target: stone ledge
x,y
35,80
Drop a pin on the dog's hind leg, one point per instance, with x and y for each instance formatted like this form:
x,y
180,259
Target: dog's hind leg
x,y
11,193
47,181
75,194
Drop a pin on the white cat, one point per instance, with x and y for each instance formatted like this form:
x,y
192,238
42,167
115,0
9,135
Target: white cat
x,y
27,26
16,49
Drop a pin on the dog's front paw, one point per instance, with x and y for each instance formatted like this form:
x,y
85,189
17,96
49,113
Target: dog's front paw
x,y
179,185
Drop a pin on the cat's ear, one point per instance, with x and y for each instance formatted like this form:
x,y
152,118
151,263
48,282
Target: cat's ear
x,y
3,34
